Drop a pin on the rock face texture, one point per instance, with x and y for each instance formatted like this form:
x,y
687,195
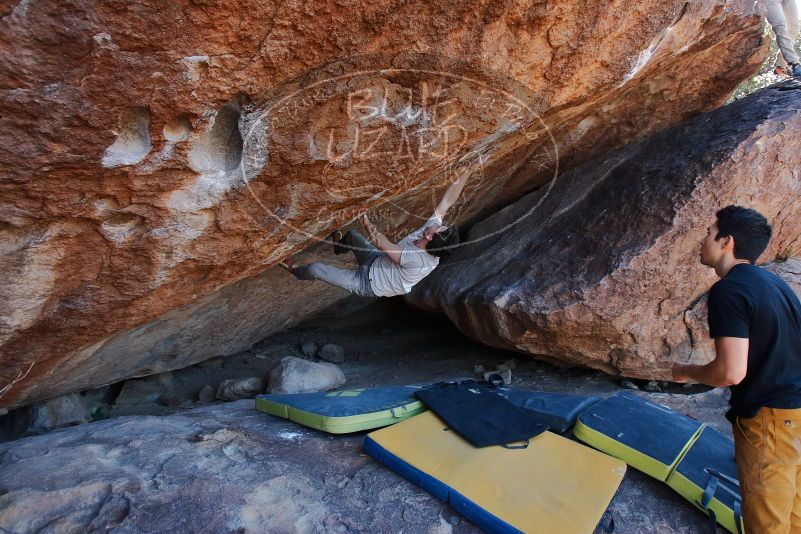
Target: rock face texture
x,y
225,469
155,155
603,268
703,348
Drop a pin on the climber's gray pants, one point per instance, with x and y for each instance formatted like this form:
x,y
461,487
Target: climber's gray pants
x,y
357,281
783,16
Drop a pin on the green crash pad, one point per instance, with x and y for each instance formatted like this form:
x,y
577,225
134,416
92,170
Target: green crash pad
x,y
340,412
693,459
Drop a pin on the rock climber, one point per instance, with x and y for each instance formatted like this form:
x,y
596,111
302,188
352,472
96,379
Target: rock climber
x,y
385,268
755,320
783,17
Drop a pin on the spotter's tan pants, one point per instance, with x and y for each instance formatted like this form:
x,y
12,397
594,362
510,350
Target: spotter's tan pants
x,y
768,453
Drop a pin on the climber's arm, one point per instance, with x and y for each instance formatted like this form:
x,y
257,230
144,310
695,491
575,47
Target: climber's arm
x,y
455,189
380,240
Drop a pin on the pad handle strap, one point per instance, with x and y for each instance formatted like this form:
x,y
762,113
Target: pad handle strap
x,y
521,446
709,493
399,411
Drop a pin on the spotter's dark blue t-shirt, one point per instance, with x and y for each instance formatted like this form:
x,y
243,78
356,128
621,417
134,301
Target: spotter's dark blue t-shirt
x,y
751,302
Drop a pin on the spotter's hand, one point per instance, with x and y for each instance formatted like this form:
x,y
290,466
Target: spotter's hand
x,y
679,373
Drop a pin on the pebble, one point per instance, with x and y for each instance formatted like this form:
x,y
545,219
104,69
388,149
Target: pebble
x,y
309,349
243,388
207,393
505,374
653,387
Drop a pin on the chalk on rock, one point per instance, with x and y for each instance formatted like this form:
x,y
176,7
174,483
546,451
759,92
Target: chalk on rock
x,y
332,353
309,349
296,375
247,388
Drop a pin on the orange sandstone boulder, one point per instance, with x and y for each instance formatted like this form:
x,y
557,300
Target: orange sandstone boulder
x,y
157,157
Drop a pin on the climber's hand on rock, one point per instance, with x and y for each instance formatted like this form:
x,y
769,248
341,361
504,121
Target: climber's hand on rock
x,y
467,170
372,232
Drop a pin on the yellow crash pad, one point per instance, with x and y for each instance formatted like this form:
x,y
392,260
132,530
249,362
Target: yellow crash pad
x,y
552,485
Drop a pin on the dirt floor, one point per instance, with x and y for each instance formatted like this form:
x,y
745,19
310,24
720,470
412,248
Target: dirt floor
x,y
389,344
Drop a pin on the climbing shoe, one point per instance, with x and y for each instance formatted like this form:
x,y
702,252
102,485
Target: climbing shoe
x,y
336,237
287,264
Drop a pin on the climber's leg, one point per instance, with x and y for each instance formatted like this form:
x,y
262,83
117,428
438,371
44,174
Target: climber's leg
x,y
356,282
790,8
775,13
364,251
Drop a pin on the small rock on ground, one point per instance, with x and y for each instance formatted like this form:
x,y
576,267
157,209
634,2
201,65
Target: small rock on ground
x,y
207,393
60,411
296,375
140,390
504,374
244,388
652,386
